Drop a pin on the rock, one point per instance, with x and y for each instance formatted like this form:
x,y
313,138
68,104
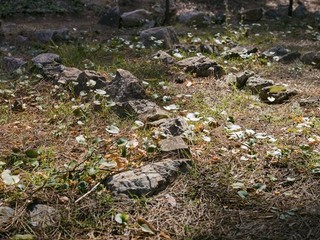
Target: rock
x,y
165,34
251,15
174,146
255,84
164,57
276,51
46,58
144,109
89,80
11,64
311,58
125,87
111,17
276,94
136,18
239,52
49,65
280,11
310,102
179,77
69,74
174,126
47,35
289,57
197,18
206,48
240,79
149,179
301,11
44,216
201,66
6,215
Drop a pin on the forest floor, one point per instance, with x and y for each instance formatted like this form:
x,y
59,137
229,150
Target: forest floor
x,y
264,185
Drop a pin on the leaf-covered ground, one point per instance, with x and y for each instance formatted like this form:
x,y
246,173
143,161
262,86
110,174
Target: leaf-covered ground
x,y
256,166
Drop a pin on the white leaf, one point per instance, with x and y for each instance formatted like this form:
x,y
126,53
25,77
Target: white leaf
x,y
206,138
9,179
91,83
100,92
178,55
271,99
193,117
261,136
113,129
81,139
171,107
233,127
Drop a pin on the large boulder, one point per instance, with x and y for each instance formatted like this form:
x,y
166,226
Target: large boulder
x,y
166,35
201,66
125,87
136,18
147,180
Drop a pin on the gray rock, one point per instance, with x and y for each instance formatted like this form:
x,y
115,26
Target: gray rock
x,y
47,35
174,146
301,11
275,51
61,35
166,34
6,215
111,17
46,58
240,79
206,48
276,94
289,57
255,84
197,18
69,74
11,64
164,57
89,80
149,179
239,52
251,15
125,87
311,58
174,126
144,110
310,102
44,216
201,66
136,18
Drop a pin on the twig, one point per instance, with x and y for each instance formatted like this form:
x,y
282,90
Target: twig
x,y
87,193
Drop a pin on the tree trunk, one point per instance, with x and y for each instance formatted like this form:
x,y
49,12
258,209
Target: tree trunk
x,y
290,8
167,13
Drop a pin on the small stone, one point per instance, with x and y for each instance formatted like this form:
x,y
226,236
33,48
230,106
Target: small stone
x,y
44,216
165,34
6,215
46,58
125,87
174,146
276,94
174,126
164,57
69,74
255,84
89,80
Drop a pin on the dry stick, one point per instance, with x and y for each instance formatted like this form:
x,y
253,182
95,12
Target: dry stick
x,y
87,193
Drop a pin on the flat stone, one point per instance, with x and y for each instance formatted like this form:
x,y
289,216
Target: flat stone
x,y
11,64
69,74
125,86
276,51
174,146
46,58
166,34
147,180
276,94
143,109
44,216
255,84
201,66
6,215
